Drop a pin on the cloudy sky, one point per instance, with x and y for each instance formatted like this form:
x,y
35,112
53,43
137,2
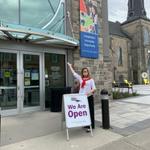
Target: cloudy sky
x,y
117,9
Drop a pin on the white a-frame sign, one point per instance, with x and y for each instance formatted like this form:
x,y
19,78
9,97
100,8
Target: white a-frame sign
x,y
76,111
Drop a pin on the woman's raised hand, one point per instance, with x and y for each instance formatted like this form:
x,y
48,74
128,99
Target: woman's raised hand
x,y
69,64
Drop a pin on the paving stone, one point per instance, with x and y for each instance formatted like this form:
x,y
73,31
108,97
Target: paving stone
x,y
129,115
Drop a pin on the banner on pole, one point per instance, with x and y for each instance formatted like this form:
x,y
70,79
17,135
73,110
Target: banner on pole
x,y
88,29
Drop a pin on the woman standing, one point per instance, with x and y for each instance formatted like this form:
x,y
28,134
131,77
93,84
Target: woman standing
x,y
87,87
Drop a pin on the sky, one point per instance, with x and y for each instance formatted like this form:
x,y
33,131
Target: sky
x,y
117,9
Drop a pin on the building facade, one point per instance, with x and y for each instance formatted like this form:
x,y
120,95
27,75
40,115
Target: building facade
x,y
120,48
136,33
36,42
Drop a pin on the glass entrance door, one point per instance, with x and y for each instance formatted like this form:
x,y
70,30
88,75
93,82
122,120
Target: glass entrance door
x,y
54,74
19,82
8,81
31,77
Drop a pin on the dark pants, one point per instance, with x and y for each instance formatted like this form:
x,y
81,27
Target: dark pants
x,y
91,108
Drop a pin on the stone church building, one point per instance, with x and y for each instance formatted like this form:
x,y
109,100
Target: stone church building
x,y
130,44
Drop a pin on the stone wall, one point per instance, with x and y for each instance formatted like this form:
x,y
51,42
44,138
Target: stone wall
x,y
118,70
138,48
100,70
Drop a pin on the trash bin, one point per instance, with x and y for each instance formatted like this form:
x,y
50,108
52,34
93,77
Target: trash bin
x,y
56,98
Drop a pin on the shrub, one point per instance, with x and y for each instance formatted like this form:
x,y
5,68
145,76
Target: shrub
x,y
119,95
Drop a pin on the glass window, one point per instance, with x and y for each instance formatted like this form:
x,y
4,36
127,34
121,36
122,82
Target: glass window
x,y
57,24
31,80
146,36
9,11
54,70
43,14
120,62
54,74
8,80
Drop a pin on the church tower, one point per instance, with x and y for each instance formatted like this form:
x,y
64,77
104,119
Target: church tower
x,y
137,26
136,9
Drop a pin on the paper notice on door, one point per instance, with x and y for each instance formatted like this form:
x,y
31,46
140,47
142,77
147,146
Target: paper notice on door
x,y
35,76
7,74
27,81
27,73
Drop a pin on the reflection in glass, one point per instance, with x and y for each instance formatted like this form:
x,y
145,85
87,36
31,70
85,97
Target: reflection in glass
x,y
43,11
55,70
31,80
9,11
8,81
54,74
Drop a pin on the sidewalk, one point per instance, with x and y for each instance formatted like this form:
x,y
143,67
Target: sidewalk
x,y
127,112
79,140
127,118
138,141
130,115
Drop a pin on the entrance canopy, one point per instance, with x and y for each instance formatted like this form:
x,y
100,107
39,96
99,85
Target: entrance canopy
x,y
35,35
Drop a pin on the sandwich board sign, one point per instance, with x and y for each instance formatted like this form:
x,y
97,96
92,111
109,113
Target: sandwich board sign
x,y
76,110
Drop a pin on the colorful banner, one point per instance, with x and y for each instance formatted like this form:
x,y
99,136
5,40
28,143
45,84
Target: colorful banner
x,y
88,29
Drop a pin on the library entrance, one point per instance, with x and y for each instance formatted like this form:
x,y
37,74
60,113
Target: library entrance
x,y
19,81
26,79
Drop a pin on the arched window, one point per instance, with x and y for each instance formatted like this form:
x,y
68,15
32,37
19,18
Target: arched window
x,y
146,36
120,62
